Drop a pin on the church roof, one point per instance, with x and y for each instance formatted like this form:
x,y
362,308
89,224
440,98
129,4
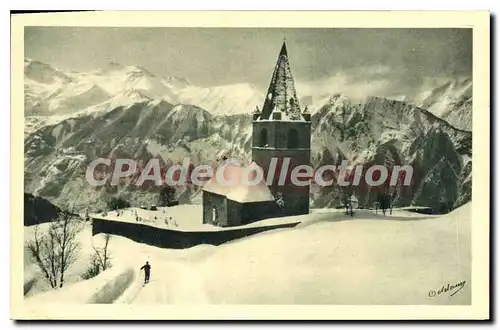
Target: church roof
x,y
281,95
237,190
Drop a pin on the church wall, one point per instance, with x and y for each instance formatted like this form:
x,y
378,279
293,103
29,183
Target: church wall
x,y
303,130
221,207
207,208
252,212
233,213
278,131
245,213
296,198
256,133
297,157
213,201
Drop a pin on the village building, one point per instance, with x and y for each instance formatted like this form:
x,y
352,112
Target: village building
x,y
229,201
281,130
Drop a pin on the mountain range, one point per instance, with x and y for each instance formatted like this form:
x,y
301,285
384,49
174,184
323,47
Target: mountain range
x,y
72,118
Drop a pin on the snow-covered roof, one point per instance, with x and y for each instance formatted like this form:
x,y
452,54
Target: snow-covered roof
x,y
232,184
286,116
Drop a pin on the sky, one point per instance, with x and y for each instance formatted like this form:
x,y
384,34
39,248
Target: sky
x,y
218,56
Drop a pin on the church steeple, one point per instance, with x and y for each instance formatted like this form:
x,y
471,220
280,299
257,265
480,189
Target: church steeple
x,y
281,95
282,135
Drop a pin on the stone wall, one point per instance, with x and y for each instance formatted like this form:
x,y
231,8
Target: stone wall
x,y
174,239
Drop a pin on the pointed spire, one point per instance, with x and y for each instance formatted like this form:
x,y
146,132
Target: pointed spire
x,y
283,51
281,95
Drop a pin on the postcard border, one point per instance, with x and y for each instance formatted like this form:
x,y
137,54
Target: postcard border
x,y
479,21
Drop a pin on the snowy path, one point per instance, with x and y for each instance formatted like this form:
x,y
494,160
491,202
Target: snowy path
x,y
172,282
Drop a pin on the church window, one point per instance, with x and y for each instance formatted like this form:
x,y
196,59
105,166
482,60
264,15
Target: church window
x,y
263,138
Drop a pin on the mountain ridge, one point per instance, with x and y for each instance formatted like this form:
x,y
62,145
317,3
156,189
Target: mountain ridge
x,y
135,123
449,99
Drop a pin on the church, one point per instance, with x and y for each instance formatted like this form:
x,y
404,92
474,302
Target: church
x,y
281,130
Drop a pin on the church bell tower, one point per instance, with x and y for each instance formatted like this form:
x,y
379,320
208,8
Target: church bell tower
x,y
282,130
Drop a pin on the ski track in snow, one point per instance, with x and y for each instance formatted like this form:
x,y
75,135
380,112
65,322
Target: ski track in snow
x,y
172,282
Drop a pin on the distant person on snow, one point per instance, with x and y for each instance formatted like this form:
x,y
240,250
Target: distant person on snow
x,y
147,270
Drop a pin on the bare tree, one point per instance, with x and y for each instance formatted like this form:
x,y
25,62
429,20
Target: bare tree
x,y
66,238
100,261
102,254
55,251
41,253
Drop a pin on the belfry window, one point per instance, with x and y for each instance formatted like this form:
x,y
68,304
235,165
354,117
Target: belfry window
x,y
293,138
263,138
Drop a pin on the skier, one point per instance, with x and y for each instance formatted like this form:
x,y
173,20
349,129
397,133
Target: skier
x,y
147,269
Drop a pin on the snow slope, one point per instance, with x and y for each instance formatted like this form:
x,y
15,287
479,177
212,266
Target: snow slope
x,y
328,259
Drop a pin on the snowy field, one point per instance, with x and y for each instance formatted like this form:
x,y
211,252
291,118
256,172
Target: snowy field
x,y
329,258
181,218
189,217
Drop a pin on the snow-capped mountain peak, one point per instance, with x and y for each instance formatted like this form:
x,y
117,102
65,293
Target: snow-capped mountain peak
x,y
51,92
43,73
224,100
